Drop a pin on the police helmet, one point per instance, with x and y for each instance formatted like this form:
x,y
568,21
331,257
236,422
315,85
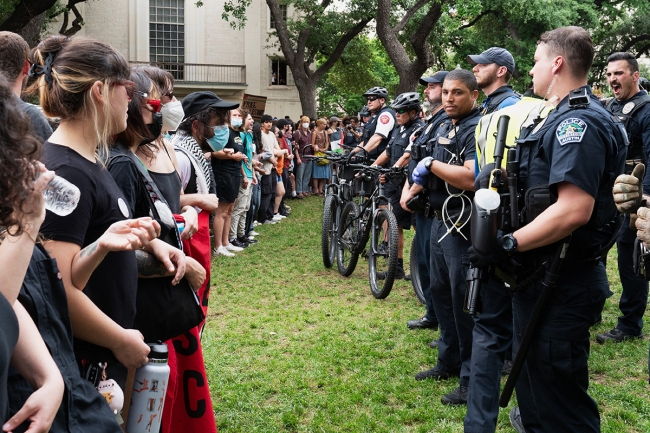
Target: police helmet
x,y
644,83
406,101
379,92
365,112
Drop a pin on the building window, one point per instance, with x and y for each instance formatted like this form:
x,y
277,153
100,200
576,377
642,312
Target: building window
x,y
280,73
283,9
167,35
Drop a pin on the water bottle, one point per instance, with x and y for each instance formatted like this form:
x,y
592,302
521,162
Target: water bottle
x,y
61,197
149,388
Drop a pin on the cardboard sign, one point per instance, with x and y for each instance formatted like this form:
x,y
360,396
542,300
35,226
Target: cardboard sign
x,y
254,105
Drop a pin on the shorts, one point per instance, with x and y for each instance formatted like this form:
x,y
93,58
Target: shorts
x,y
394,195
227,187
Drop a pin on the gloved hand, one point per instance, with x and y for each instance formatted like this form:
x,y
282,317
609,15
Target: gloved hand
x,y
420,175
643,225
628,190
479,260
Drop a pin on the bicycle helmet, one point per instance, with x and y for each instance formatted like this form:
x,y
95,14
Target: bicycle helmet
x,y
365,112
379,92
407,101
644,83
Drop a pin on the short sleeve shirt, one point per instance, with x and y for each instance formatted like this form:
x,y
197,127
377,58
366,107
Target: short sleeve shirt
x,y
112,286
385,124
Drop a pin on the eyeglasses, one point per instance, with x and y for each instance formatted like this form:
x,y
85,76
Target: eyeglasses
x,y
128,85
371,98
170,94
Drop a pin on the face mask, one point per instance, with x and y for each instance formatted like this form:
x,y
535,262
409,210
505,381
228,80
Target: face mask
x,y
220,139
236,122
172,115
305,125
154,128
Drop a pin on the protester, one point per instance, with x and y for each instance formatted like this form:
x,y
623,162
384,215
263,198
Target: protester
x,y
304,166
320,143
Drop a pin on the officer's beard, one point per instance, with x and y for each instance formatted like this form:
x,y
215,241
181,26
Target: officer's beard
x,y
431,106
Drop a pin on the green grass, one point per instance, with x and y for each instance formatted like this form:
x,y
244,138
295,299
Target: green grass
x,y
293,347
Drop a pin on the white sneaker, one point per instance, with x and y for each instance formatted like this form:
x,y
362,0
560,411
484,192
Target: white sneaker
x,y
253,233
271,221
276,218
255,223
287,207
277,215
251,238
222,251
232,248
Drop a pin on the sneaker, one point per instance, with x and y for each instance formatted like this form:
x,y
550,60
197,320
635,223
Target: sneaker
x,y
253,233
507,367
400,274
515,420
269,222
407,277
435,373
222,251
287,207
252,240
615,335
276,218
234,249
256,223
434,344
238,243
279,215
457,397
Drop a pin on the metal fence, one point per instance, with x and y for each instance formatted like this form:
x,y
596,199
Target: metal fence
x,y
200,73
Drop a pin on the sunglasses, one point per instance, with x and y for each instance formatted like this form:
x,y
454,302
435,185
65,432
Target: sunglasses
x,y
371,98
401,111
154,103
128,85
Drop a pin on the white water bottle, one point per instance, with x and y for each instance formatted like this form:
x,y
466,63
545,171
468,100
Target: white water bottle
x,y
61,197
149,388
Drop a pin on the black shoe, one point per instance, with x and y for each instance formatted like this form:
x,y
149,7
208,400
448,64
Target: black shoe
x,y
252,241
507,367
407,277
242,240
400,274
457,397
515,420
435,373
422,323
615,335
239,244
434,344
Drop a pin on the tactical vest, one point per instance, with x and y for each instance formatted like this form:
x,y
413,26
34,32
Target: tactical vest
x,y
625,112
400,139
369,131
423,145
493,101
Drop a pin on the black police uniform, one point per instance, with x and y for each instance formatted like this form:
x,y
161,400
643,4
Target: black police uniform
x,y
399,140
635,114
585,146
83,409
369,130
449,259
422,147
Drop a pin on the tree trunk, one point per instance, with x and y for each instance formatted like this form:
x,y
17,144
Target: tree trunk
x,y
307,93
31,33
24,12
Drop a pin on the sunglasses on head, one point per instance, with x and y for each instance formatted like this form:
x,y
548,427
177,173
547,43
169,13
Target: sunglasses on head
x,y
371,98
128,85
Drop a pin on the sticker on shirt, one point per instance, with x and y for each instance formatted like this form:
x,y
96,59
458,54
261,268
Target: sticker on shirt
x,y
571,131
238,140
384,118
123,208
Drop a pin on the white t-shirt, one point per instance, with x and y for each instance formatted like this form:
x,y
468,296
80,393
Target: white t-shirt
x,y
385,125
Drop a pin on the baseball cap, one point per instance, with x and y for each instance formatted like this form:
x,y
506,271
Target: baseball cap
x,y
198,101
282,123
334,119
438,77
500,56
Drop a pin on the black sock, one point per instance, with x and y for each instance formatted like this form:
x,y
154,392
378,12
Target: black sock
x,y
400,263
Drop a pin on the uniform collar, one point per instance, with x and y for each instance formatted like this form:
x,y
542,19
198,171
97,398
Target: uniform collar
x,y
497,92
639,93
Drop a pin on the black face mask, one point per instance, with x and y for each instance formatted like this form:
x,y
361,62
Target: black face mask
x,y
155,128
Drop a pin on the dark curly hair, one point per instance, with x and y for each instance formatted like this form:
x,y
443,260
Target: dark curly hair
x,y
19,155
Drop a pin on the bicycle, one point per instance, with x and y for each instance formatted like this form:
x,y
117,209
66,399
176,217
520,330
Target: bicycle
x,y
369,221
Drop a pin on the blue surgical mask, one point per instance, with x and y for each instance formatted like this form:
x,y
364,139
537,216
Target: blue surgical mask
x,y
236,122
220,139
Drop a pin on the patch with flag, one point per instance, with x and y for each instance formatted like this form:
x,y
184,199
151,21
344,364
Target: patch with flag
x,y
571,131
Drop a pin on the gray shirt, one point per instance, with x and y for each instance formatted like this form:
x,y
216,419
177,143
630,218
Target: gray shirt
x,y
40,126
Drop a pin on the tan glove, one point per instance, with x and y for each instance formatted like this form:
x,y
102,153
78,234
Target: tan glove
x,y
643,226
628,190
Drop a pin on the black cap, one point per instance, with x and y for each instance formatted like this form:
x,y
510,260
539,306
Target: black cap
x,y
158,351
282,123
199,101
438,77
500,56
266,118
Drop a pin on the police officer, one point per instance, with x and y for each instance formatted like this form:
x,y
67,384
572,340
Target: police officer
x,y
632,106
378,128
407,110
449,175
571,158
419,149
493,68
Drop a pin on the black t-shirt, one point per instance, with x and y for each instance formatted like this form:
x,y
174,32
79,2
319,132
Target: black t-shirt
x,y
112,286
8,339
229,167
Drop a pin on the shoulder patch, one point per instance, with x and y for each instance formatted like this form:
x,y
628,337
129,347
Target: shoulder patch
x,y
384,118
571,131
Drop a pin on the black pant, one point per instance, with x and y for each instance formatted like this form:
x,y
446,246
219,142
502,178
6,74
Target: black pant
x,y
634,297
267,203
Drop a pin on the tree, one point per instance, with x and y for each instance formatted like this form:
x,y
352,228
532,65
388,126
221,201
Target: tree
x,y
318,29
410,67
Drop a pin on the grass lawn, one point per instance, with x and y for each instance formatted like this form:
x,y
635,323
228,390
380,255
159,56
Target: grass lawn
x,y
293,346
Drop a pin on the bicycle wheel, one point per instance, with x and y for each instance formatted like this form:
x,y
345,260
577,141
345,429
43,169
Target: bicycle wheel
x,y
382,257
415,274
329,230
349,225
